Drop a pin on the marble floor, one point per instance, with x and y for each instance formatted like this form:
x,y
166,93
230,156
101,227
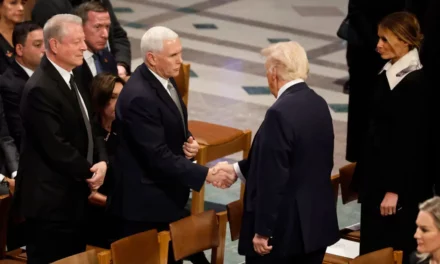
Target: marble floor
x,y
222,40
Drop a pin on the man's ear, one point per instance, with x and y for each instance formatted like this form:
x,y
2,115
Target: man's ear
x,y
19,50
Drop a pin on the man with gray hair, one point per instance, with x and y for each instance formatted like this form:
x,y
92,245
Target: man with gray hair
x,y
61,161
289,208
155,152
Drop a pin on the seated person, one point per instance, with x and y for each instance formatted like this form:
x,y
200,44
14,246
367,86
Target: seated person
x,y
118,40
105,91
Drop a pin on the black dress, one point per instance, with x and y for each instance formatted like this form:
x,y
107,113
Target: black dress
x,y
6,54
100,223
394,159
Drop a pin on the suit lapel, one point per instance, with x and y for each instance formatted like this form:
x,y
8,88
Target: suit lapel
x,y
47,66
19,71
163,95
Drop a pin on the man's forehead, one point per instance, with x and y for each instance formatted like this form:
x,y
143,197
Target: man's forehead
x,y
92,15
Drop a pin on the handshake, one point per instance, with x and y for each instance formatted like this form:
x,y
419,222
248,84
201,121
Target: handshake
x,y
222,175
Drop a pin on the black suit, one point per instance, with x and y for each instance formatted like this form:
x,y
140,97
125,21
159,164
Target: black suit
x,y
153,177
51,187
119,44
108,64
288,190
11,87
8,150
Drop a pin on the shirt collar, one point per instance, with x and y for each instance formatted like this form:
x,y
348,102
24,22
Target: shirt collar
x,y
28,71
163,81
287,85
408,63
65,74
87,54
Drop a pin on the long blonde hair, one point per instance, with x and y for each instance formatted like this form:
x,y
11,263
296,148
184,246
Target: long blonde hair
x,y
431,206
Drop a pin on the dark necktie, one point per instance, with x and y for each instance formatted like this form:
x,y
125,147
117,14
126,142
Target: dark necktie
x,y
85,118
176,100
98,65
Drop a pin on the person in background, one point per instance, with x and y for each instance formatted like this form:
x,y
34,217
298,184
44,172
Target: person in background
x,y
29,49
428,233
391,175
119,45
11,13
105,89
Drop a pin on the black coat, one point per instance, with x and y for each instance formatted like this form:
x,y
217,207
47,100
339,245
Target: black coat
x,y
288,187
152,178
11,87
53,167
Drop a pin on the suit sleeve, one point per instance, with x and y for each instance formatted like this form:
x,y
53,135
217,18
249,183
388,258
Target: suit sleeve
x,y
119,43
244,167
272,171
7,143
145,128
43,120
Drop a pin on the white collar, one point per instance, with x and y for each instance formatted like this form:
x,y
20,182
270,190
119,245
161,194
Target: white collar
x,y
163,81
65,74
287,85
397,71
87,54
28,71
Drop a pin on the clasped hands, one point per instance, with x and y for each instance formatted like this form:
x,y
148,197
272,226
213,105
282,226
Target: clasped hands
x,y
222,175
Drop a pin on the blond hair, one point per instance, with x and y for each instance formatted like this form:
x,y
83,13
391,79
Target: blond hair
x,y
432,207
289,58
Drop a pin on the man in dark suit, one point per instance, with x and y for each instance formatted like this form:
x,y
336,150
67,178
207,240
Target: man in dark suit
x,y
96,25
289,210
118,40
153,160
28,43
56,174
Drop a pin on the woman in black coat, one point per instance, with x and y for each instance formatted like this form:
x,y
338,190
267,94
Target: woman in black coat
x,y
391,176
105,89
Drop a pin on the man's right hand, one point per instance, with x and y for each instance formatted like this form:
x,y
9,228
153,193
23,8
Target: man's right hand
x,y
222,175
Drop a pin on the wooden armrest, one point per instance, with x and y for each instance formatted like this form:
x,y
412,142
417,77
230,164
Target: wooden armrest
x,y
164,241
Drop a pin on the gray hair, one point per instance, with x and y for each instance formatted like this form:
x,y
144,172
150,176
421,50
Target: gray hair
x,y
152,40
289,58
55,27
432,207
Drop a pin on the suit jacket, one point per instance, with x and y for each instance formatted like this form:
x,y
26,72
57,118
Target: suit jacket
x,y
6,54
152,178
288,193
9,154
11,87
53,168
119,44
108,64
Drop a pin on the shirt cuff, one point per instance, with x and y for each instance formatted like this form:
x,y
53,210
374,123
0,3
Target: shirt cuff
x,y
14,174
238,172
2,177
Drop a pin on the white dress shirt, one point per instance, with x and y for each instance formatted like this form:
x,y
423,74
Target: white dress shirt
x,y
88,57
27,70
163,81
397,71
66,77
280,92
